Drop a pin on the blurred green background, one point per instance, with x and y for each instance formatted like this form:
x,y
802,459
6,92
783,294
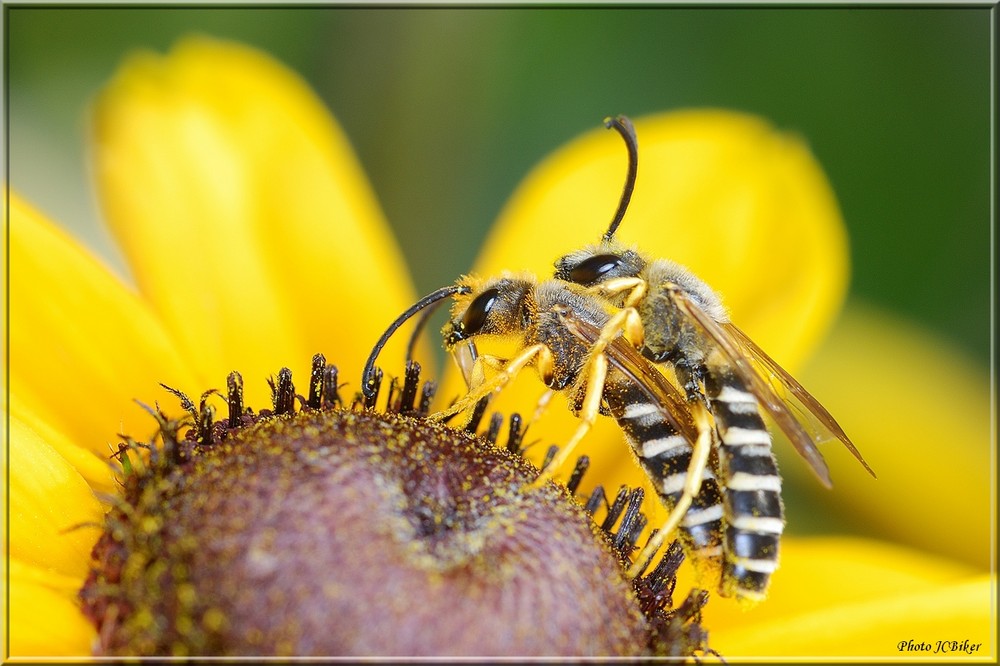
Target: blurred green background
x,y
449,108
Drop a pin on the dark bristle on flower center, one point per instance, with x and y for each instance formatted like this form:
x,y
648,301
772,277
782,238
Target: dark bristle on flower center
x,y
319,527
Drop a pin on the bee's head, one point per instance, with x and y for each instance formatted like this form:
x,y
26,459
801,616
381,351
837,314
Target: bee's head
x,y
608,259
599,263
499,306
502,307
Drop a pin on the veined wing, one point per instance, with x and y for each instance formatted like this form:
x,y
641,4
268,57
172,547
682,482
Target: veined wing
x,y
799,415
627,359
797,397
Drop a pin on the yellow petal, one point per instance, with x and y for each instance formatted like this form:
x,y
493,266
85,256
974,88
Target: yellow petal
x,y
944,622
82,347
854,597
747,208
920,414
45,618
54,517
816,573
97,471
244,214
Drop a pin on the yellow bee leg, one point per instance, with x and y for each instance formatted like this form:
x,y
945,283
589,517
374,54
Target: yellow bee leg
x,y
635,286
498,381
628,323
695,472
492,362
596,375
595,371
541,406
632,328
477,377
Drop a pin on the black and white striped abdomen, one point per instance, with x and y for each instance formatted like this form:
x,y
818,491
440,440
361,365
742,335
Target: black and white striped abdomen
x,y
665,456
754,515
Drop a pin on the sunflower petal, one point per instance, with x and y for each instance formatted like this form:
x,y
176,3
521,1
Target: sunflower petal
x,y
950,621
747,208
82,347
920,413
98,472
45,618
819,572
54,516
234,195
838,597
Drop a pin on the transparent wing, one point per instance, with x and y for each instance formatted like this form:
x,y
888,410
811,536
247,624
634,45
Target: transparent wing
x,y
627,359
800,416
814,415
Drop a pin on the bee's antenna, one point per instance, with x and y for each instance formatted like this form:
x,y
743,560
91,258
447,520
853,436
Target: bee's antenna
x,y
367,379
623,126
421,323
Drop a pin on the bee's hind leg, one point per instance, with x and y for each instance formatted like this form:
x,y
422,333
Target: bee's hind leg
x,y
695,472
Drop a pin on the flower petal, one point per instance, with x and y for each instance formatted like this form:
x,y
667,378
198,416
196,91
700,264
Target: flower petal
x,y
82,347
45,618
819,572
853,597
53,512
98,472
920,414
951,620
745,207
244,214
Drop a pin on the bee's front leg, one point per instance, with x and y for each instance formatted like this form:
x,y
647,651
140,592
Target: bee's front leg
x,y
508,370
541,405
636,288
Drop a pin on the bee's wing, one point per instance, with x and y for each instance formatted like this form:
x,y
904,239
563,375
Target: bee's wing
x,y
768,368
627,359
788,403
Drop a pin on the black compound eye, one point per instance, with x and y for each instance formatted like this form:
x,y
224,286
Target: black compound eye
x,y
475,317
592,269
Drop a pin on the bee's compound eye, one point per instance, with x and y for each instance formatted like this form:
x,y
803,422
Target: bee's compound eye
x,y
475,317
593,269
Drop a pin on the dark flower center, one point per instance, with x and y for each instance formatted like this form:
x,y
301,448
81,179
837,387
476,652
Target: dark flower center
x,y
343,532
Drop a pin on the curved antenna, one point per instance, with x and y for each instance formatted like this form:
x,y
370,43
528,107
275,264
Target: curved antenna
x,y
367,380
624,127
419,327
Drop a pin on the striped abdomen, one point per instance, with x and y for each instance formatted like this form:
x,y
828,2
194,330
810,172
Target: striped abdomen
x,y
754,515
665,456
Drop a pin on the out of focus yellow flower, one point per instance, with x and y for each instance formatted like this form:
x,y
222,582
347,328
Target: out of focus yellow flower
x,y
255,241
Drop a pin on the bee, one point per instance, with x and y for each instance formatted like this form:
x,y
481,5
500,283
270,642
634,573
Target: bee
x,y
608,330
686,327
559,331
